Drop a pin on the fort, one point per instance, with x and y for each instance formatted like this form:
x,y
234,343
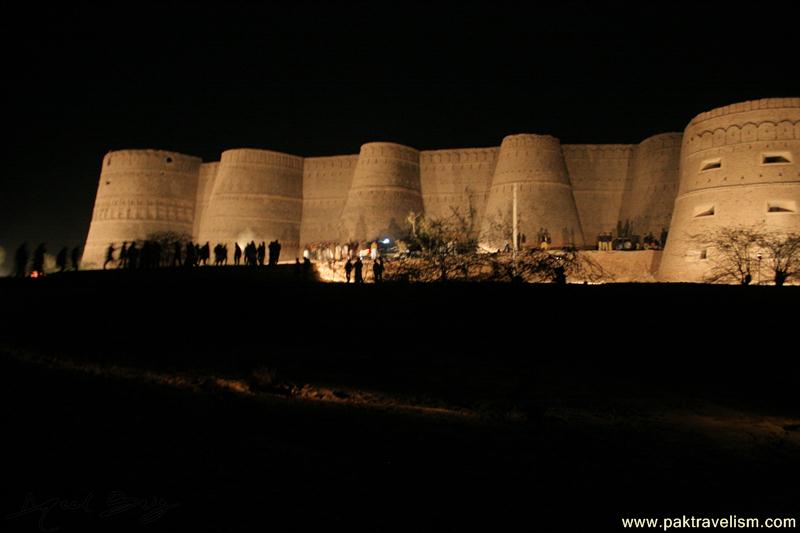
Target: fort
x,y
734,165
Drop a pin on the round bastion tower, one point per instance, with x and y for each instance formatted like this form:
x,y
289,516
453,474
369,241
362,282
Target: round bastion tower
x,y
653,177
739,167
141,192
385,188
257,195
535,165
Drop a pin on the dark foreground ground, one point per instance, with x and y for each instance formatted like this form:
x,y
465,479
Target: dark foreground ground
x,y
237,400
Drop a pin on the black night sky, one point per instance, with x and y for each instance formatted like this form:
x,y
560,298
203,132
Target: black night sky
x,y
317,78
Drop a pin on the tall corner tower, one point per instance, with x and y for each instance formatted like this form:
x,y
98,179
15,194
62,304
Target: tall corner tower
x,y
257,196
385,188
535,165
739,167
141,192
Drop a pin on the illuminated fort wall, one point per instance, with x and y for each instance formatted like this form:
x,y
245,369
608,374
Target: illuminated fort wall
x,y
326,182
141,192
652,184
257,195
736,165
457,180
739,167
534,164
385,188
599,174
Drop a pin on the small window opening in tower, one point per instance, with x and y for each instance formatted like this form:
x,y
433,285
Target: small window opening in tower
x,y
704,253
776,159
712,164
782,206
704,211
169,159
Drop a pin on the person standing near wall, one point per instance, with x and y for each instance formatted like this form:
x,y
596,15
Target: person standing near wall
x,y
359,267
348,268
109,255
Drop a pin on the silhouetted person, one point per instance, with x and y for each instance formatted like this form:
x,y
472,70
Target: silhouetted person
x,y
250,253
274,252
224,254
133,256
38,260
298,267
559,275
109,255
747,279
377,270
191,255
306,267
157,254
348,267
21,260
61,260
123,255
237,254
76,257
359,266
261,253
176,254
205,253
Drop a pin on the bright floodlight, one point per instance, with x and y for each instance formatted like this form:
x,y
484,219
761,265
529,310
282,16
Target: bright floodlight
x,y
385,241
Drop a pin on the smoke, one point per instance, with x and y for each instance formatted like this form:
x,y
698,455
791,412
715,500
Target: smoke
x,y
245,237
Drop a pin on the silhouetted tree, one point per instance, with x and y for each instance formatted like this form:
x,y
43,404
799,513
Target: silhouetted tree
x,y
737,253
781,254
731,252
443,248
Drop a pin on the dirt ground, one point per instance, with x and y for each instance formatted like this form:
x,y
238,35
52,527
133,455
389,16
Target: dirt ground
x,y
230,401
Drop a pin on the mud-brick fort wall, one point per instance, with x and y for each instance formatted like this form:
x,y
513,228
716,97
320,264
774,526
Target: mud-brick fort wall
x,y
534,166
599,175
257,194
457,180
141,192
739,167
652,184
326,183
735,165
385,188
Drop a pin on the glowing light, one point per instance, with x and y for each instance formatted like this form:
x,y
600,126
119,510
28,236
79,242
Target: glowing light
x,y
385,241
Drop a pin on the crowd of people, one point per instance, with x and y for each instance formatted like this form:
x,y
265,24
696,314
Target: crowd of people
x,y
153,254
607,242
64,259
348,257
334,251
